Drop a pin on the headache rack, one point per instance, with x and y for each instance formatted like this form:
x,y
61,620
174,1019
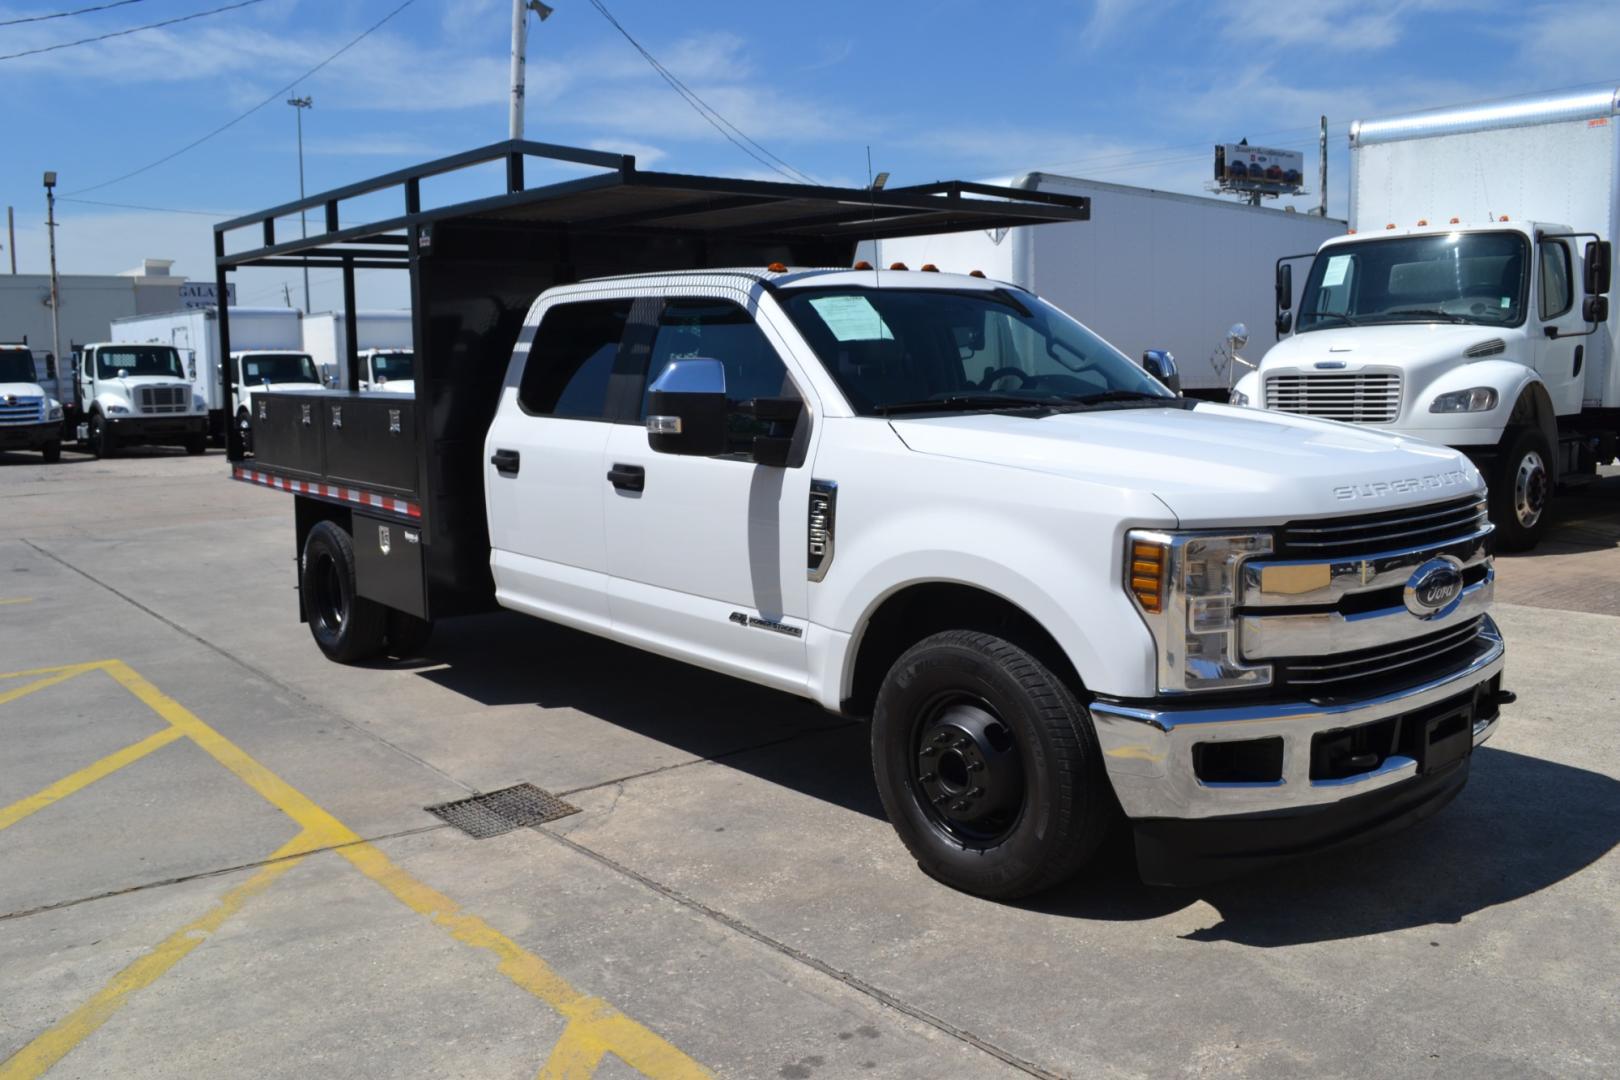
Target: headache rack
x,y
475,268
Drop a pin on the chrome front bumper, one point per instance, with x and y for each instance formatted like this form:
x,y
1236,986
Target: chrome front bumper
x,y
1148,750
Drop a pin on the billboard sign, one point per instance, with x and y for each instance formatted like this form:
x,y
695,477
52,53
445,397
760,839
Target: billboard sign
x,y
1256,168
195,295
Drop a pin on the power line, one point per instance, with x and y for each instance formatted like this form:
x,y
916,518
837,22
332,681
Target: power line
x,y
65,14
216,214
707,111
131,30
238,119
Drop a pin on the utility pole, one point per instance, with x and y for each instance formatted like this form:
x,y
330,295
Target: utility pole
x,y
1321,151
520,44
299,104
11,237
56,295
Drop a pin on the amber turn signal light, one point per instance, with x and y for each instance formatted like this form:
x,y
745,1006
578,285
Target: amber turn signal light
x,y
1147,575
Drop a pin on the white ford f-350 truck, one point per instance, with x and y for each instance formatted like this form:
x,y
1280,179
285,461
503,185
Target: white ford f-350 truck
x,y
1469,304
30,419
1060,592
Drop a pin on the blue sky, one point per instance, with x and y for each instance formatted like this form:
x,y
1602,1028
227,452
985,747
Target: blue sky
x,y
1109,89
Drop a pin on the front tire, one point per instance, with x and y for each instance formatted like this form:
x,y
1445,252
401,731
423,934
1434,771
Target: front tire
x,y
52,452
102,442
1520,490
347,627
988,766
196,444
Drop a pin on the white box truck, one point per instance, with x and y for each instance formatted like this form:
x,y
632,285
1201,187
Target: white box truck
x,y
1152,270
196,335
1468,304
385,333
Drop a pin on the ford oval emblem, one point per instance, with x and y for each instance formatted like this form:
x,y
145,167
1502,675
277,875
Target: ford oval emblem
x,y
1435,589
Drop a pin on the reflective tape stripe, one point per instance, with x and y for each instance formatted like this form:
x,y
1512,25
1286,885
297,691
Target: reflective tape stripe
x,y
328,491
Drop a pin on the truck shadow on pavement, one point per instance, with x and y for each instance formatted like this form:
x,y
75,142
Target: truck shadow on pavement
x,y
1521,825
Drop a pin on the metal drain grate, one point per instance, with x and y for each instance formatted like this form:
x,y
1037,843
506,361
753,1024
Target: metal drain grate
x,y
497,812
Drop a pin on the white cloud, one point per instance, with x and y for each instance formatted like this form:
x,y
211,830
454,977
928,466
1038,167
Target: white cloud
x,y
1330,24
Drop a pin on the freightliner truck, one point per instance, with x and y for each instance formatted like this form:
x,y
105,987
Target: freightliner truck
x,y
1063,595
127,394
1469,303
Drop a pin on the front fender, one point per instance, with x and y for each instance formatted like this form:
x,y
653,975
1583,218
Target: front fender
x,y
104,403
1250,387
1509,378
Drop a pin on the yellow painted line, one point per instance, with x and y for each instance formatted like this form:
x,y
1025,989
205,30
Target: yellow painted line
x,y
17,600
598,1027
10,815
51,1046
52,677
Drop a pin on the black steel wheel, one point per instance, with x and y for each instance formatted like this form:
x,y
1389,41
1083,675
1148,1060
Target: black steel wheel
x,y
347,627
988,766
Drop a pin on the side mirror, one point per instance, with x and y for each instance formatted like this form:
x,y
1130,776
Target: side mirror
x,y
686,408
1237,336
1162,366
1599,259
1285,288
1594,309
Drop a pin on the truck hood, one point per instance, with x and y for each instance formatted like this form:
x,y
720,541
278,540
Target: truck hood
x,y
1212,465
20,389
1408,346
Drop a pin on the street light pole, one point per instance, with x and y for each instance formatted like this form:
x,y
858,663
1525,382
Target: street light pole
x,y
520,45
299,104
56,295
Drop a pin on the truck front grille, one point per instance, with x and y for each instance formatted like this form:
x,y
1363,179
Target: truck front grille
x,y
1388,530
1412,659
21,410
161,399
1364,397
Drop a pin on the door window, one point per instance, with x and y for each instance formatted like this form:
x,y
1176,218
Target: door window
x,y
571,361
720,330
1557,296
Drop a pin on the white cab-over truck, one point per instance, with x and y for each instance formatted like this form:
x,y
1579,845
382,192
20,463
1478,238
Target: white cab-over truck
x,y
128,394
1061,593
1469,304
30,419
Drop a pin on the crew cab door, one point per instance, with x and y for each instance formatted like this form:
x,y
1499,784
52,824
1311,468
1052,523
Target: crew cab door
x,y
543,472
707,554
1561,360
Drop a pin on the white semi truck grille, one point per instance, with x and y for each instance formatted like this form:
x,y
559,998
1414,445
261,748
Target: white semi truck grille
x,y
1365,397
161,399
21,410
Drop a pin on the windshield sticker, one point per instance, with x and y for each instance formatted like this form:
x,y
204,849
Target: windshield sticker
x,y
1337,267
852,318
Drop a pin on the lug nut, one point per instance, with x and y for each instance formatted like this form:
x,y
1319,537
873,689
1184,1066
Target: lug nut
x,y
974,793
926,777
975,766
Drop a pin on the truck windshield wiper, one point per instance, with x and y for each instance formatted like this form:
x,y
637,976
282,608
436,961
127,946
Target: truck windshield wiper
x,y
1426,313
967,403
1339,319
1103,397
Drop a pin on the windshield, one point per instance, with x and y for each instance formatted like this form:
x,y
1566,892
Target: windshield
x,y
1447,277
904,348
392,365
16,365
278,368
138,360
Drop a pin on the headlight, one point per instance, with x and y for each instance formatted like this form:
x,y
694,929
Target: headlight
x,y
55,411
118,410
1238,397
1474,399
1185,586
198,404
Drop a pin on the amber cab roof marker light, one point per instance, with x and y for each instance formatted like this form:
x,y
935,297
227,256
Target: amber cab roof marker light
x,y
976,273
898,266
929,268
862,265
777,268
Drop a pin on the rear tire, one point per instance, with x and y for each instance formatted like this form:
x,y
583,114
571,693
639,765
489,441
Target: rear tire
x,y
988,766
347,627
52,452
407,635
1520,489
